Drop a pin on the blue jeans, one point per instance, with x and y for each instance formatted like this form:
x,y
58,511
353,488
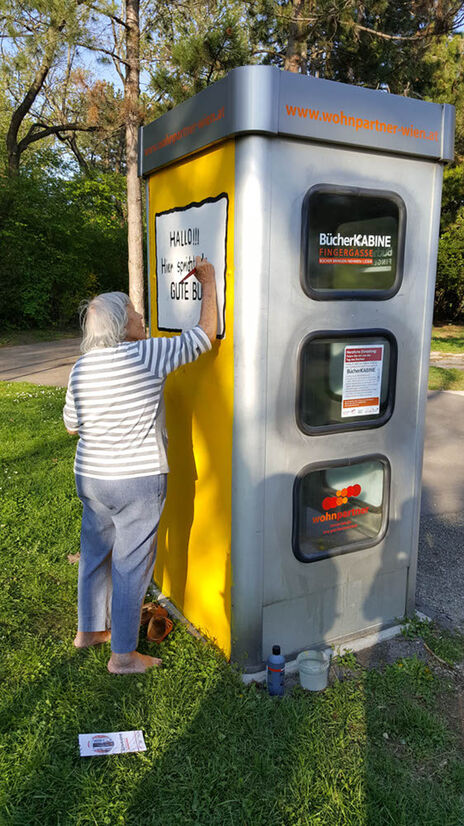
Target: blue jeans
x,y
118,550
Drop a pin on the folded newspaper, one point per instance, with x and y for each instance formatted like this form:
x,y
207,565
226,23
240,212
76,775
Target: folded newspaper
x,y
113,742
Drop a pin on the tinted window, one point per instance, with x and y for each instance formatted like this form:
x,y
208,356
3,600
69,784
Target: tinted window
x,y
339,508
346,381
352,243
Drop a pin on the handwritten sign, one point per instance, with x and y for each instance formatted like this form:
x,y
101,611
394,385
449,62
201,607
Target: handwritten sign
x,y
180,235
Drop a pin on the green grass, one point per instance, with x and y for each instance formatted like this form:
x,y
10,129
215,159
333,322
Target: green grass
x,y
445,644
11,338
448,338
441,378
377,748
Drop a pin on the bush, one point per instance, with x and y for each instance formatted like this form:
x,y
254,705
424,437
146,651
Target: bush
x,y
61,241
449,293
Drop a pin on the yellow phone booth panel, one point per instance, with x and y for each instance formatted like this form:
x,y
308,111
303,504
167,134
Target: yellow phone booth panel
x,y
193,563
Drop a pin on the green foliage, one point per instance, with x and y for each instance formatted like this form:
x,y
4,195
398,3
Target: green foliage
x,y
445,644
441,378
442,81
452,202
448,338
341,40
198,44
62,241
346,660
449,294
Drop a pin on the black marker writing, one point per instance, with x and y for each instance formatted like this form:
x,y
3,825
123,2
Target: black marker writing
x,y
185,290
184,237
166,266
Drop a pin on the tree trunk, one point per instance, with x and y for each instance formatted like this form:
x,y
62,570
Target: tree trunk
x,y
12,144
134,192
13,157
296,56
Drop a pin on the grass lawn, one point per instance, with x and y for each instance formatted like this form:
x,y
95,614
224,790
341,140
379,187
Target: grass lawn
x,y
11,338
375,748
442,378
448,338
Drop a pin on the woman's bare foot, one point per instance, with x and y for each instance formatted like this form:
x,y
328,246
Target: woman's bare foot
x,y
84,639
131,663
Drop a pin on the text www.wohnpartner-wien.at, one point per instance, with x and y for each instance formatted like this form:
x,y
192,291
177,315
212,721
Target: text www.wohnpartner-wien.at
x,y
341,119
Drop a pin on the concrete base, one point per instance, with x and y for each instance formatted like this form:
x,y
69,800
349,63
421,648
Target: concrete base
x,y
291,667
356,644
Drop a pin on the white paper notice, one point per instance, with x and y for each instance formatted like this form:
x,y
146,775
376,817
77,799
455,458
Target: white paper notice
x,y
114,742
362,379
181,234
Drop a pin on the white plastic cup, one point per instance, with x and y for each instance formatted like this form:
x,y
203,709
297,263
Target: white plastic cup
x,y
313,667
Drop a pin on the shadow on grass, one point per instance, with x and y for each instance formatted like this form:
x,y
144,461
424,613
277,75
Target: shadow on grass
x,y
369,750
307,759
49,782
218,753
239,761
442,378
456,342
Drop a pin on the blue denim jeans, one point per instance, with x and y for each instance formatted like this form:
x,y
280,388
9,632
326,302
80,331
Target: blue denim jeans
x,y
118,550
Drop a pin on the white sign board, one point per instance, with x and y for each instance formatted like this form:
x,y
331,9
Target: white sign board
x,y
113,742
180,235
362,379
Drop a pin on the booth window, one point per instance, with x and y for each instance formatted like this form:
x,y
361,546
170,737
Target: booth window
x,y
340,507
346,380
352,243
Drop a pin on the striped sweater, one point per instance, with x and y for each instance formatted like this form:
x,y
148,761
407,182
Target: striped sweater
x,y
115,402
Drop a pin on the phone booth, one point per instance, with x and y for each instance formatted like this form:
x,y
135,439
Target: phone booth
x,y
295,444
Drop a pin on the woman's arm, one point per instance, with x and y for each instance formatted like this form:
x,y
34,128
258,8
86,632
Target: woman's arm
x,y
69,411
208,315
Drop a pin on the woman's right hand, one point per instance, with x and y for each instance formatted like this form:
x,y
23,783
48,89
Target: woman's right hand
x,y
204,270
208,314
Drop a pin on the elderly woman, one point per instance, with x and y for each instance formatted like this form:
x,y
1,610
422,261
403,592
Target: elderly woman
x,y
115,403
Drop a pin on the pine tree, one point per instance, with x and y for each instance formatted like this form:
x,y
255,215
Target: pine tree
x,y
36,40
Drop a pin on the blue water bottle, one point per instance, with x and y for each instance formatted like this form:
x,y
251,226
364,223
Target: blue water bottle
x,y
275,672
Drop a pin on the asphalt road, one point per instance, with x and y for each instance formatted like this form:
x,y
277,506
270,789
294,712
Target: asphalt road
x,y
47,362
440,579
454,361
440,575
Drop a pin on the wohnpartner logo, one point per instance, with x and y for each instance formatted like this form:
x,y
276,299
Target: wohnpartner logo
x,y
101,743
341,498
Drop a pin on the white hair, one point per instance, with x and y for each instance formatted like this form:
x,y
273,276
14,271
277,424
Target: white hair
x,y
103,320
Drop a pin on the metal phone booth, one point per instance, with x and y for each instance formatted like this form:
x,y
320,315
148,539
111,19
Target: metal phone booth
x,y
295,445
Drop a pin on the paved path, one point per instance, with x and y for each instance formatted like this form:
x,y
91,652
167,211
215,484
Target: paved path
x,y
440,577
440,582
51,362
447,360
47,362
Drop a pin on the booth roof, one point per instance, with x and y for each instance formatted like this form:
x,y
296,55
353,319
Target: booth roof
x,y
266,100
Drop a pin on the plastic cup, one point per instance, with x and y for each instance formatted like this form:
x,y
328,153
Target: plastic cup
x,y
313,667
